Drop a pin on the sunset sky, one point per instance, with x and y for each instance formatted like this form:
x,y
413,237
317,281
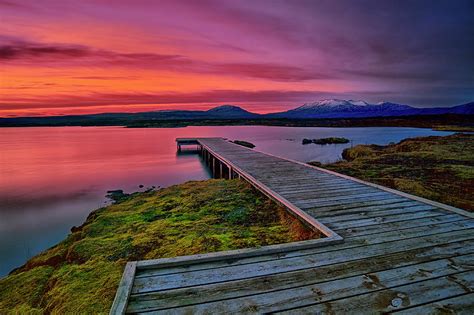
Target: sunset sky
x,y
90,56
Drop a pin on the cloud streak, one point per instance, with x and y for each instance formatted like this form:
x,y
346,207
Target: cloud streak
x,y
416,52
113,99
62,55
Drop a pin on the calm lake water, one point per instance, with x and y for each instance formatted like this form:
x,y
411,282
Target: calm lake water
x,y
51,178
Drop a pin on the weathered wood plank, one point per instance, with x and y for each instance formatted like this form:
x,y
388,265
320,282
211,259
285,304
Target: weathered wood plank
x,y
375,214
313,188
398,298
390,218
379,195
399,225
119,305
223,274
460,305
271,283
322,292
348,204
321,195
383,207
323,200
358,204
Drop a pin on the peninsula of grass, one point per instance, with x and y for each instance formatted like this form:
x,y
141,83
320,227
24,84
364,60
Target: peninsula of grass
x,y
80,275
330,140
437,168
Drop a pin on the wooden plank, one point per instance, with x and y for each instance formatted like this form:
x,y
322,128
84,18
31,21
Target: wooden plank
x,y
269,283
284,181
359,204
230,254
125,288
461,305
314,189
397,205
272,283
399,225
397,298
347,198
202,277
324,195
391,218
353,203
322,292
376,214
388,235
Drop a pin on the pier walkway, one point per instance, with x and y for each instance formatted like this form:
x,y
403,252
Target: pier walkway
x,y
381,250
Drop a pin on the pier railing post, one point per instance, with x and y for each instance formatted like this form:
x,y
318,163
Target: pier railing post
x,y
213,166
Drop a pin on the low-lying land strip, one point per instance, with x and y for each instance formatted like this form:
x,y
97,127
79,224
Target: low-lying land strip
x,y
81,273
447,122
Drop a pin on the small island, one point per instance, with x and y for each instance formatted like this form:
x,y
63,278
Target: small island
x,y
244,143
330,140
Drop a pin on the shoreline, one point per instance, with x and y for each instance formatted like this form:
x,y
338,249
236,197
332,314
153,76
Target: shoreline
x,y
436,122
195,217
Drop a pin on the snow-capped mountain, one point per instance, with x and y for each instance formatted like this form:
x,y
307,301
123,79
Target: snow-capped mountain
x,y
336,108
332,103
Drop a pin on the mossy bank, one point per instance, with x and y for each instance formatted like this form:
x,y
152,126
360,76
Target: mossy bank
x,y
81,274
437,168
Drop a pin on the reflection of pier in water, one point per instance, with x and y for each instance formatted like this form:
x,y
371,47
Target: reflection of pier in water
x,y
382,251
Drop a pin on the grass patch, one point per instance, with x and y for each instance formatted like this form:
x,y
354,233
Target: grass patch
x,y
81,274
437,168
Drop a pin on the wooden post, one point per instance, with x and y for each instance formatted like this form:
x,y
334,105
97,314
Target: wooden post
x,y
221,175
213,166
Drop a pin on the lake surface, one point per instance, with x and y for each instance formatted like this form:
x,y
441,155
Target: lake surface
x,y
51,178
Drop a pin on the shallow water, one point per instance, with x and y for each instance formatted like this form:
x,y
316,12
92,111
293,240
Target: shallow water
x,y
51,178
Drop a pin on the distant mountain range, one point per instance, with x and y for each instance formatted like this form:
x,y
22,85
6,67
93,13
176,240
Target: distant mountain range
x,y
331,108
334,108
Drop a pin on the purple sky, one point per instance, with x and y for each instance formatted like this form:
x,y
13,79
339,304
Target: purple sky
x,y
86,56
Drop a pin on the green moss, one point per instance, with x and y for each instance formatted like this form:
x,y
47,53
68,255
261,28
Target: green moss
x,y
437,168
25,290
81,274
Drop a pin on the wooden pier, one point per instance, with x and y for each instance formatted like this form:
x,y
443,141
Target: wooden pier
x,y
382,251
